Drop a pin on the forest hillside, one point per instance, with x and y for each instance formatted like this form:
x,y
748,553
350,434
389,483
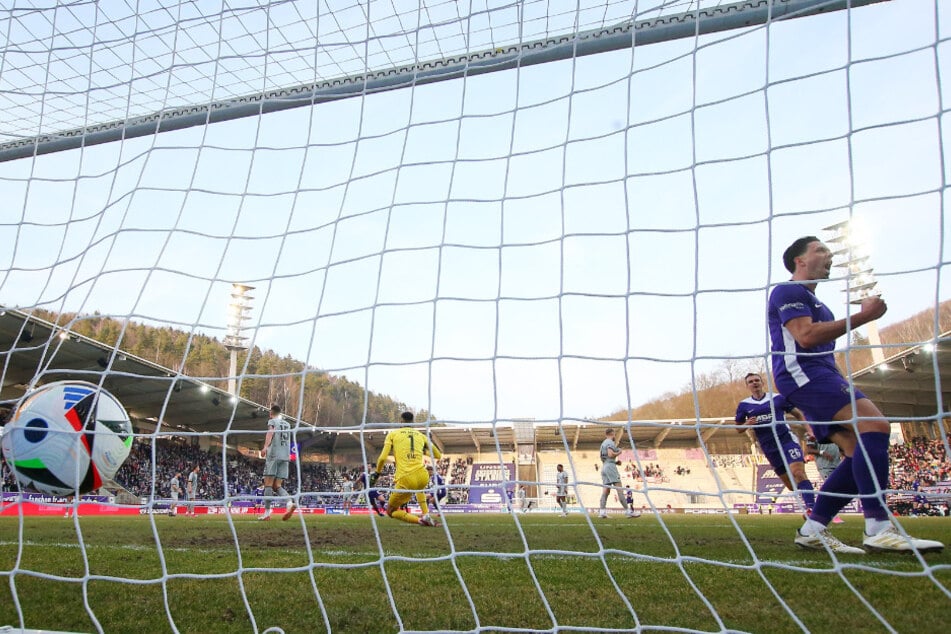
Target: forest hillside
x,y
718,392
269,378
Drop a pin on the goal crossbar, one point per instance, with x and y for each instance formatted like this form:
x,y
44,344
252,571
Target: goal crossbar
x,y
618,36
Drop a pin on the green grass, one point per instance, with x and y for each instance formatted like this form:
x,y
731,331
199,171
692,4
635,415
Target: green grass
x,y
535,572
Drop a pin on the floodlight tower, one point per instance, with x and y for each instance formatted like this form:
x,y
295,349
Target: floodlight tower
x,y
850,247
238,312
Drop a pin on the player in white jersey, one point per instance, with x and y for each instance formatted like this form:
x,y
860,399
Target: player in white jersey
x,y
561,493
347,488
522,496
191,488
175,489
827,456
277,458
610,477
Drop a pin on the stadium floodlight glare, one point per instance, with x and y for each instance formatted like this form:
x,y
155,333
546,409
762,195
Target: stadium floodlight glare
x,y
850,244
238,312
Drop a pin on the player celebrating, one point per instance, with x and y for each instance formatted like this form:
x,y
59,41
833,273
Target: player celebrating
x,y
561,493
436,489
803,333
610,477
409,447
774,437
277,458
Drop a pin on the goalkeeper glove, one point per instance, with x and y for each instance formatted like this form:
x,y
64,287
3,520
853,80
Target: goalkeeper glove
x,y
374,476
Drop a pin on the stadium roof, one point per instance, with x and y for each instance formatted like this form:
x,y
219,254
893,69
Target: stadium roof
x,y
915,383
34,351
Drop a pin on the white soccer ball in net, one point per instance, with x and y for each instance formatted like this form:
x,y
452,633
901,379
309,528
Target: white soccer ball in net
x,y
67,438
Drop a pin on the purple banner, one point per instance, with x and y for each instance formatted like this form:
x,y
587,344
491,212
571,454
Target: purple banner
x,y
768,484
488,483
769,487
492,473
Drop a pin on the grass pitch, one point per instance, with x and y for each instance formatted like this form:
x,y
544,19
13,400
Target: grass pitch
x,y
531,572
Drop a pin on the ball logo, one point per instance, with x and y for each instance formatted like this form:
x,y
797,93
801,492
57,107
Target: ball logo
x,y
35,430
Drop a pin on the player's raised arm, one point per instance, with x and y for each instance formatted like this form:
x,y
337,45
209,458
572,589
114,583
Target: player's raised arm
x,y
385,452
809,333
742,419
435,450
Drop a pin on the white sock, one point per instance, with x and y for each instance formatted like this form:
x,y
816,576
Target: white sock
x,y
811,527
874,526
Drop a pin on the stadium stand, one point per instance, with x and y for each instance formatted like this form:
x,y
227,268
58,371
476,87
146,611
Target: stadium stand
x,y
669,478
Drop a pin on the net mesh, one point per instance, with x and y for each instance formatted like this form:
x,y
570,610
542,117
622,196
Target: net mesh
x,y
552,243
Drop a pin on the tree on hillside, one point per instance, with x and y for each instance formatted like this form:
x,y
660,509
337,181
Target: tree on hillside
x,y
265,376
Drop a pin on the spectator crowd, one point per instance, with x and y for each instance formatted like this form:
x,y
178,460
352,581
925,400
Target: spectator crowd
x,y
240,475
921,473
651,470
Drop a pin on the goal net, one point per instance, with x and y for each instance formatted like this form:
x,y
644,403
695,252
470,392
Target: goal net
x,y
525,221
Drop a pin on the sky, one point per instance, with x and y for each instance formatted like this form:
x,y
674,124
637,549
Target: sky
x,y
558,241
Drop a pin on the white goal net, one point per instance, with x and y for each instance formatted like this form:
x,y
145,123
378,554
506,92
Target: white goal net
x,y
519,219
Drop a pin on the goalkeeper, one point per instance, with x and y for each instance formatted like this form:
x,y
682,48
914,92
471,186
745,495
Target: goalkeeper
x,y
409,446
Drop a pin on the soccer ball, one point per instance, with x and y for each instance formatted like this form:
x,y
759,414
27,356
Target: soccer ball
x,y
66,438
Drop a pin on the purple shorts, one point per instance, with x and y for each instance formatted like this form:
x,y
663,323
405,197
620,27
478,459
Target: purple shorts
x,y
821,399
790,450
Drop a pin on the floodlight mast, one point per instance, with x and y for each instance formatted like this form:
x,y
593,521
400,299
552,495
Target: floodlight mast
x,y
238,312
850,245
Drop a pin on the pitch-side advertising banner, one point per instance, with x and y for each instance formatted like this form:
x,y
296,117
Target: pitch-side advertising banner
x,y
487,483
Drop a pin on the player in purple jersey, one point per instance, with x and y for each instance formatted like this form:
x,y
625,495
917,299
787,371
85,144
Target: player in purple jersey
x,y
781,449
437,491
803,333
375,499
